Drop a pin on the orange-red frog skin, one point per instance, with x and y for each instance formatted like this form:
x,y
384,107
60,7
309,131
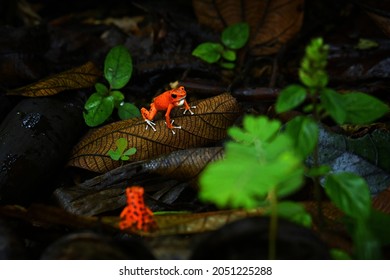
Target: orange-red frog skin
x,y
136,215
166,102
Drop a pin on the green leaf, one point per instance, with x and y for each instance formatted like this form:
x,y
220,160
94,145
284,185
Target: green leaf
x,y
121,145
130,151
304,132
98,109
294,212
350,193
127,111
235,36
114,155
228,65
229,55
338,254
313,79
117,95
362,108
118,67
290,97
333,103
262,160
366,44
209,52
101,89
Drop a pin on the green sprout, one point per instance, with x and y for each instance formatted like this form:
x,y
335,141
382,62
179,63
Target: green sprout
x,y
118,68
233,38
121,153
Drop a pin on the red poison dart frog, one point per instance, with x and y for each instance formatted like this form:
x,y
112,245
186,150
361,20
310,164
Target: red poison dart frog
x,y
136,215
166,102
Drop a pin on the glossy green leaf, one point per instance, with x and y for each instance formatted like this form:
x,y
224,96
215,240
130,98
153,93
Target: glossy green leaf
x,y
333,103
235,36
228,65
350,193
209,52
98,109
290,97
127,111
362,108
304,132
118,67
126,155
101,89
229,55
117,95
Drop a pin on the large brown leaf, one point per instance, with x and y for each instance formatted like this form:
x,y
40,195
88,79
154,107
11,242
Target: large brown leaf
x,y
83,76
208,125
272,23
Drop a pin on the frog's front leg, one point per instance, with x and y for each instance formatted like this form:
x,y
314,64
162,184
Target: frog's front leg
x,y
168,120
149,116
188,108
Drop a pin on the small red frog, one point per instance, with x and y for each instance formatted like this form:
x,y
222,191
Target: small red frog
x,y
136,215
166,102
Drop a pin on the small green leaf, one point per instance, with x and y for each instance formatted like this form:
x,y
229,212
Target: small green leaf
x,y
101,89
304,132
229,55
127,111
98,109
362,108
117,95
130,151
209,52
115,155
118,67
333,103
366,44
121,145
235,36
228,65
290,97
350,193
338,254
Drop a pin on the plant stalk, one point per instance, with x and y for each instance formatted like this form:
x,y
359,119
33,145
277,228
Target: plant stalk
x,y
273,228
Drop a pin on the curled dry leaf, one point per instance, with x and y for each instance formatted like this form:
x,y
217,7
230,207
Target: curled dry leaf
x,y
208,125
83,76
272,23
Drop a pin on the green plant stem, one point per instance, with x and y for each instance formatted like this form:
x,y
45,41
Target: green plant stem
x,y
316,179
273,228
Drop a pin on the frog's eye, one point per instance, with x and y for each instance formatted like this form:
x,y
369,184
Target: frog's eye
x,y
181,88
173,95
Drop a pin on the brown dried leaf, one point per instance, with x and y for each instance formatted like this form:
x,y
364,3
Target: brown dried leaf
x,y
83,76
208,125
272,23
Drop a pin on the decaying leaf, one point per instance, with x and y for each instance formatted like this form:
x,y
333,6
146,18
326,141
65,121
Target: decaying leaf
x,y
208,125
100,194
272,23
83,76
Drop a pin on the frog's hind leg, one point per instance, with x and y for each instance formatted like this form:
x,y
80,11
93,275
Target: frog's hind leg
x,y
149,116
